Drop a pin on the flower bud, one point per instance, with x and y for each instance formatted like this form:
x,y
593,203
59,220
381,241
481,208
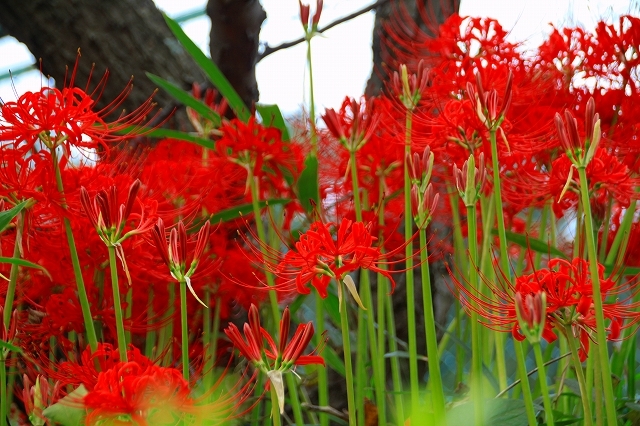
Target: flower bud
x,y
531,312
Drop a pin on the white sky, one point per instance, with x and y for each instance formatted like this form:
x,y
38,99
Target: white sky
x,y
342,58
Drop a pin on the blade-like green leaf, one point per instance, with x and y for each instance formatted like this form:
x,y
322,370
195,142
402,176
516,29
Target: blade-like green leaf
x,y
211,70
8,346
272,117
308,184
7,216
173,134
25,263
236,212
532,243
186,99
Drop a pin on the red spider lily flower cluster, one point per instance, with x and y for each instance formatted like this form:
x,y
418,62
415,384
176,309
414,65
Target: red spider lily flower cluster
x,y
318,258
567,303
410,89
274,360
67,117
174,254
354,124
38,397
305,12
487,102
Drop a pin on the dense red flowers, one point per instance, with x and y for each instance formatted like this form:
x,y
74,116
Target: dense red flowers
x,y
568,291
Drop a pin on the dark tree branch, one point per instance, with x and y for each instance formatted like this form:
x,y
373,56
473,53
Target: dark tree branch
x,y
268,50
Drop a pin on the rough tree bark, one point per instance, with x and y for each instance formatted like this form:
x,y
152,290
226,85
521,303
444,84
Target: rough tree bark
x,y
127,37
234,41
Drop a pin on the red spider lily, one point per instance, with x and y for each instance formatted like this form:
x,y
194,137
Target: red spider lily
x,y
318,258
579,151
568,292
207,126
259,150
109,219
354,124
142,394
274,359
67,117
487,102
174,254
410,89
38,397
305,12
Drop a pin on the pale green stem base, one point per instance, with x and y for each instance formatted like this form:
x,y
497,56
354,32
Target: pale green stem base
x,y
117,308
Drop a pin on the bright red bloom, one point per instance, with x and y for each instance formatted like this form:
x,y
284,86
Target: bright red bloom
x,y
141,394
66,117
569,302
274,359
318,257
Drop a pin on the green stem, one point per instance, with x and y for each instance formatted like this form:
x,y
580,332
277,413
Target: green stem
x,y
577,365
150,339
13,274
211,338
275,410
395,363
435,377
411,309
323,387
312,104
609,399
4,398
504,266
185,330
273,300
365,287
77,269
544,387
346,344
476,347
117,308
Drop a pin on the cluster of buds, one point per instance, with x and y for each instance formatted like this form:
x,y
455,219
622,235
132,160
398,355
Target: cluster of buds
x,y
207,125
174,251
352,132
274,360
109,218
410,88
470,180
39,397
305,12
486,103
531,311
579,151
423,197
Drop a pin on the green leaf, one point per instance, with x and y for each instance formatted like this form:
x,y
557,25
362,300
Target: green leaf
x,y
186,99
25,263
332,307
211,70
272,117
244,209
308,184
10,347
497,412
532,243
173,134
69,411
7,216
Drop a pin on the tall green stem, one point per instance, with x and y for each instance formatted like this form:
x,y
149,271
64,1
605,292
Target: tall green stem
x,y
476,347
435,377
117,308
586,403
348,368
411,309
275,310
609,398
323,387
77,269
365,287
312,103
544,387
185,330
504,266
275,410
4,398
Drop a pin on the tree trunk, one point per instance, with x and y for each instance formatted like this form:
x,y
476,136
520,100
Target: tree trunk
x,y
428,15
234,41
127,37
